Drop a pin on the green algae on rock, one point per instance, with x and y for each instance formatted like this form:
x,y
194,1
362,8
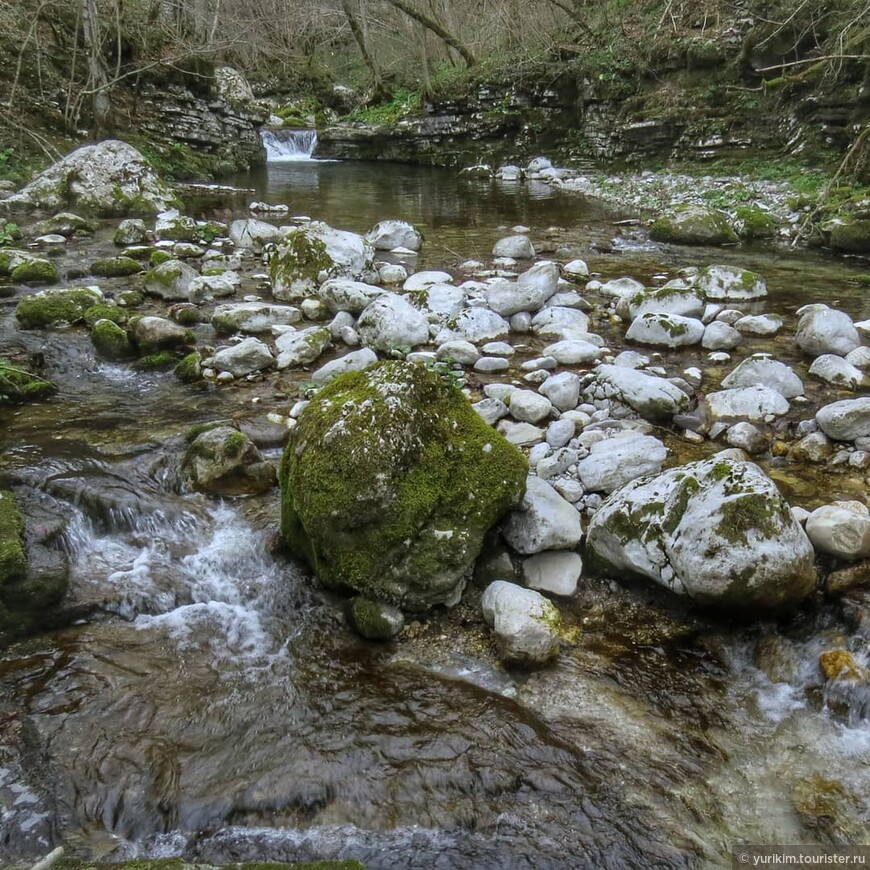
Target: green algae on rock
x,y
693,225
111,341
35,270
53,306
390,482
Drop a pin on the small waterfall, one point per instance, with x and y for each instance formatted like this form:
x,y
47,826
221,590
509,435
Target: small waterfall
x,y
289,145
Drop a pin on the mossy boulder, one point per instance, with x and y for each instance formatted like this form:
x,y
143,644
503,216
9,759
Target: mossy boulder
x,y
752,222
64,224
693,225
109,178
849,235
189,369
47,307
717,531
390,482
374,620
111,341
105,311
131,231
311,254
18,385
35,270
170,280
224,461
13,561
115,267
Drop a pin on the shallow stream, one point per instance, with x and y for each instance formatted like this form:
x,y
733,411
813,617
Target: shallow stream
x,y
210,701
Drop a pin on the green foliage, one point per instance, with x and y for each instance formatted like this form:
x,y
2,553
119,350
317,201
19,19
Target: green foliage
x,y
18,385
403,103
9,232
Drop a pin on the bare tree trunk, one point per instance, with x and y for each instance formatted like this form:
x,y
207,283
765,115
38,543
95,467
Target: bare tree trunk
x,y
98,78
424,57
436,28
360,39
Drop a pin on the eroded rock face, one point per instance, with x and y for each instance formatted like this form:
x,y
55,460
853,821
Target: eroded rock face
x,y
110,178
717,531
390,482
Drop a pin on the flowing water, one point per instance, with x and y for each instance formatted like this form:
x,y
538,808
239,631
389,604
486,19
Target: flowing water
x,y
205,698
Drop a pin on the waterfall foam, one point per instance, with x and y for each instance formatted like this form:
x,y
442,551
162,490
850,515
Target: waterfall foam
x,y
286,146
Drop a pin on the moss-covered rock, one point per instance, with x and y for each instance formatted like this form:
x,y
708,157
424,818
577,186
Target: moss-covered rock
x,y
18,385
131,298
111,341
131,231
693,225
54,306
390,482
157,361
717,531
374,620
189,369
65,224
224,461
752,222
35,270
849,235
13,561
105,311
115,267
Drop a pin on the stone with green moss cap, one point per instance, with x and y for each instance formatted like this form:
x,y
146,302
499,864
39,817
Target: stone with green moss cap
x,y
19,385
390,482
717,531
224,461
53,306
693,225
35,270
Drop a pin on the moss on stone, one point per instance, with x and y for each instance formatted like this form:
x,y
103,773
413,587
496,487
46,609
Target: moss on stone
x,y
752,222
189,369
35,271
105,311
390,482
13,560
131,298
111,341
693,225
300,258
159,256
162,360
18,385
115,267
51,306
195,431
851,236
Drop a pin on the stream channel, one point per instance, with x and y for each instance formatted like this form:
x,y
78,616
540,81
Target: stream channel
x,y
208,700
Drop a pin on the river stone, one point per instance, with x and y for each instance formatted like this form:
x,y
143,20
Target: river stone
x,y
841,529
386,235
131,231
686,303
298,348
111,341
621,288
665,330
693,225
823,330
563,390
561,323
765,372
225,462
241,359
311,254
507,298
355,361
730,282
207,287
652,397
615,461
717,531
425,280
860,357
524,623
846,420
528,406
746,437
576,269
544,522
476,325
390,482
342,294
254,234
555,571
175,227
462,352
374,620
518,247
571,352
834,369
391,322
253,317
491,410
110,178
153,334
745,403
758,324
720,336
490,364
41,310
170,280
521,434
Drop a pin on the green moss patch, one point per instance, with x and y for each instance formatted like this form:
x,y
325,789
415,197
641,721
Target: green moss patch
x,y
52,306
115,267
18,385
13,560
35,271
